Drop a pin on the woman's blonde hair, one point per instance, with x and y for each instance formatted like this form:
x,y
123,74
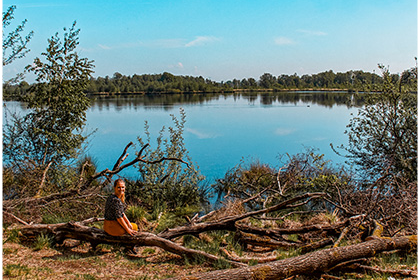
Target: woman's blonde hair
x,y
115,185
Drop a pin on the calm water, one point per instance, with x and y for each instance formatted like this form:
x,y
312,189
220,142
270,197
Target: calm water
x,y
222,129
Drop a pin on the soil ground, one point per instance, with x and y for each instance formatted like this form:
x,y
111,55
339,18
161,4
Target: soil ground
x,y
78,261
22,262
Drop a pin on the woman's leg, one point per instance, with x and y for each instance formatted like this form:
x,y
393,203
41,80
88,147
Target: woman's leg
x,y
113,228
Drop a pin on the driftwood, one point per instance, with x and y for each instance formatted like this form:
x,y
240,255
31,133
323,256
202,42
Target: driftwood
x,y
245,234
229,223
264,241
78,231
95,236
316,262
232,256
395,272
311,263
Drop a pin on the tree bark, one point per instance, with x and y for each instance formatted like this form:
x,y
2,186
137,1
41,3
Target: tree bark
x,y
76,230
228,223
311,263
278,232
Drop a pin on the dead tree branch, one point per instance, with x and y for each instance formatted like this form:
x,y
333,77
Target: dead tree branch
x,y
228,223
308,264
78,231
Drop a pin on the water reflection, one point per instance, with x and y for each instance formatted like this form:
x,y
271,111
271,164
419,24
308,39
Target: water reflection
x,y
222,129
169,101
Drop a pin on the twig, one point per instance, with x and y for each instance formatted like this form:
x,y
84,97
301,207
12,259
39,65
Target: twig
x,y
16,218
44,176
232,256
342,235
326,276
401,272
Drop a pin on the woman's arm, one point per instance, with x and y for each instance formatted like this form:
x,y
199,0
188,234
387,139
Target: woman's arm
x,y
124,225
127,221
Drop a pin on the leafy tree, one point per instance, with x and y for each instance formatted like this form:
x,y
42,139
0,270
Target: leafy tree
x,y
14,46
301,173
52,132
170,183
383,136
267,80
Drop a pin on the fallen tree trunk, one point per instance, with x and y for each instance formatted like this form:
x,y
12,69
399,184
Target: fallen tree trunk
x,y
228,223
278,232
264,241
78,231
267,242
311,263
395,272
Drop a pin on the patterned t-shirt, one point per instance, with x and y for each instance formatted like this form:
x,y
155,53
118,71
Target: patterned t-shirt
x,y
114,208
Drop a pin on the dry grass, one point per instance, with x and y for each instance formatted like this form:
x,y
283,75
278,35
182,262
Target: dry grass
x,y
22,262
230,208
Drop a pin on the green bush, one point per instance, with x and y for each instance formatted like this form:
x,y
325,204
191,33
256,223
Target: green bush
x,y
171,182
42,242
136,213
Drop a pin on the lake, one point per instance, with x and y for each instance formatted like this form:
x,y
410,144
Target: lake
x,y
221,130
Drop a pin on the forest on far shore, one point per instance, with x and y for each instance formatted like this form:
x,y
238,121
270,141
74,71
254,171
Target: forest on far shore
x,y
169,83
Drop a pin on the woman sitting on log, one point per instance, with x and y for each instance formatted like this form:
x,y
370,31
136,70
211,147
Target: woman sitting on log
x,y
116,222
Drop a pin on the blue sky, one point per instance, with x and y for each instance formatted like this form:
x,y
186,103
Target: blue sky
x,y
227,39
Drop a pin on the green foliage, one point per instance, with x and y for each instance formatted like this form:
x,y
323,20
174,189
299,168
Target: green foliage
x,y
383,136
245,179
169,220
301,173
12,236
169,182
136,213
49,218
42,242
57,99
41,142
16,270
290,253
168,83
89,277
187,85
51,132
252,262
222,264
87,167
211,244
233,243
14,46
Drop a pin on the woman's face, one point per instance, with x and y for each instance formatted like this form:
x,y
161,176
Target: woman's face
x,y
119,188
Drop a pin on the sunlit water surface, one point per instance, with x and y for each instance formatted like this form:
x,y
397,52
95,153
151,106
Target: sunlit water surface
x,y
221,130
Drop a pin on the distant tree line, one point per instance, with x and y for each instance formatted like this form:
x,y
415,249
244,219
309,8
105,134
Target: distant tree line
x,y
169,83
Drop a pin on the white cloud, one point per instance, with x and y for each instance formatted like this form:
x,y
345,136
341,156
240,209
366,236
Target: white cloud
x,y
179,65
283,41
44,5
284,131
202,135
166,43
104,47
312,32
201,40
162,43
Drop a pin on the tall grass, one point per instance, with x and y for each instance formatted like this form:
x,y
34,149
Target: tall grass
x,y
42,242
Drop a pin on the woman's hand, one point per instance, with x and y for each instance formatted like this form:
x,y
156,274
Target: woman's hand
x,y
126,225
